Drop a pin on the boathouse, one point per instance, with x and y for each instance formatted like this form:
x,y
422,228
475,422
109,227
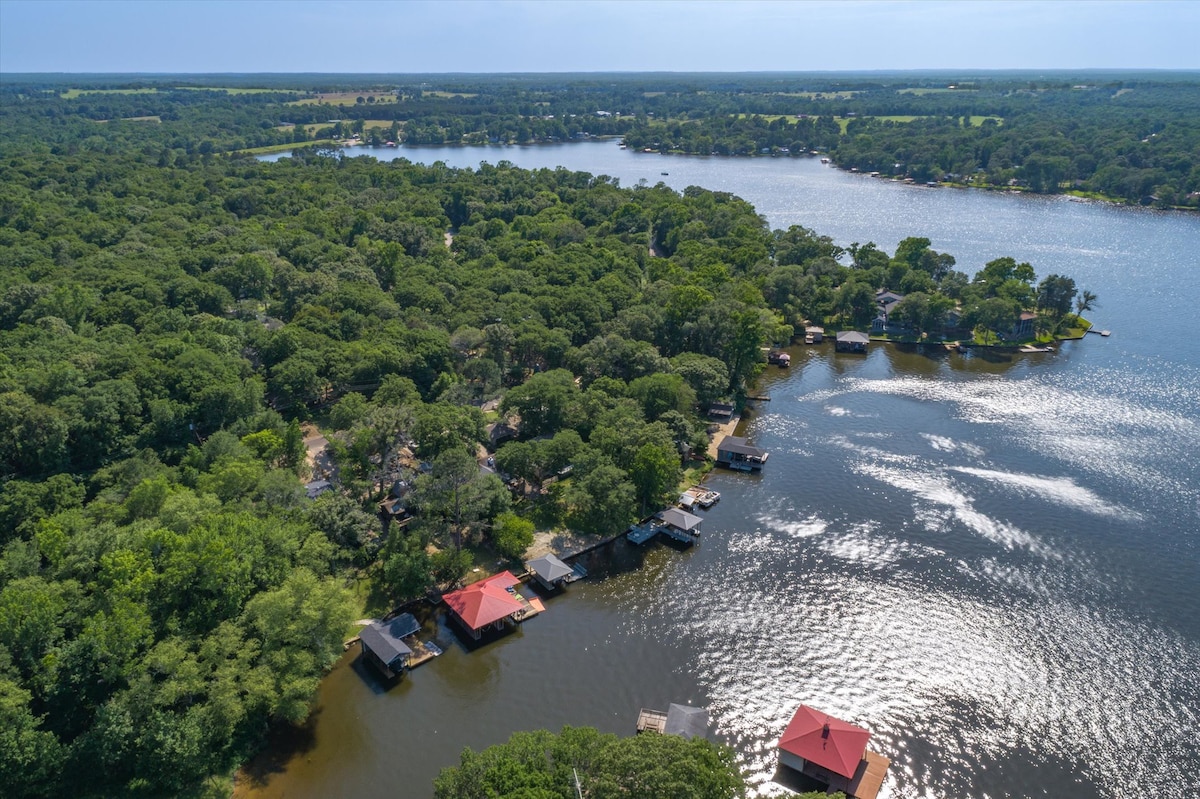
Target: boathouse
x,y
682,720
489,602
851,341
383,647
550,572
680,520
833,752
814,334
734,453
720,410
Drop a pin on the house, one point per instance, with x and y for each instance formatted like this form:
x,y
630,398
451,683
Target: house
x,y
550,572
1024,326
734,453
851,341
490,602
382,646
833,752
886,302
316,488
680,520
682,720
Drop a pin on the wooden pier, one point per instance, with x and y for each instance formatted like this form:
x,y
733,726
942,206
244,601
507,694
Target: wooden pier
x,y
652,721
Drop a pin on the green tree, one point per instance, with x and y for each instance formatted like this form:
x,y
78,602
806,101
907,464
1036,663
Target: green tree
x,y
512,535
655,475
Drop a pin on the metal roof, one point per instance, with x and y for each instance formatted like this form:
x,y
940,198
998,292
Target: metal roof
x,y
486,601
738,445
680,519
686,721
549,568
383,638
830,743
853,337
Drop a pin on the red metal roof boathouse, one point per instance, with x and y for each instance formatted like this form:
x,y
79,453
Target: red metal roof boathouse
x,y
834,752
494,600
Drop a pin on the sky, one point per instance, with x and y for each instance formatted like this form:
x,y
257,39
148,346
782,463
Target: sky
x,y
594,35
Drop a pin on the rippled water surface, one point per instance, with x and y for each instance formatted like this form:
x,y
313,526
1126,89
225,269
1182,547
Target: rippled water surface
x,y
991,563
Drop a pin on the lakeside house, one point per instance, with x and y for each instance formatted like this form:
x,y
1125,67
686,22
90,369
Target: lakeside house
x,y
851,341
383,647
734,453
493,602
682,720
833,752
886,302
1024,325
551,572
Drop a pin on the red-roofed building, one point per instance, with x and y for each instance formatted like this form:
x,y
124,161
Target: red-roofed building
x,y
832,751
490,601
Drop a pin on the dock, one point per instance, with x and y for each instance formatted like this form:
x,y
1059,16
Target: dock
x,y
1101,333
423,651
642,532
652,721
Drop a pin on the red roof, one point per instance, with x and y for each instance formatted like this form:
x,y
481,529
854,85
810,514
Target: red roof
x,y
828,742
486,601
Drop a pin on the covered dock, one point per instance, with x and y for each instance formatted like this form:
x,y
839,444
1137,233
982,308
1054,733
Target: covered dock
x,y
682,720
680,521
550,572
734,453
833,752
383,645
491,602
851,341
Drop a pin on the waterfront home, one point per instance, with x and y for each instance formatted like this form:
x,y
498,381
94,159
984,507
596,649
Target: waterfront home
x,y
851,341
383,647
887,302
680,520
734,453
834,752
1024,325
490,602
682,720
550,572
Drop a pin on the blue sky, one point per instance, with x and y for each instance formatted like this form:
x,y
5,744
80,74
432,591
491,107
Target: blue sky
x,y
560,36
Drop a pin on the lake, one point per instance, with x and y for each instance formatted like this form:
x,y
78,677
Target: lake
x,y
990,562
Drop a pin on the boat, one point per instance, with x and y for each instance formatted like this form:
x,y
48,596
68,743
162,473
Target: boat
x,y
665,173
698,495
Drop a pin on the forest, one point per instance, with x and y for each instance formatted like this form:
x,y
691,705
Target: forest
x,y
1125,136
173,318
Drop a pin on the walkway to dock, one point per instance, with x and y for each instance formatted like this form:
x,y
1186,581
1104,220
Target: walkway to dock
x,y
719,436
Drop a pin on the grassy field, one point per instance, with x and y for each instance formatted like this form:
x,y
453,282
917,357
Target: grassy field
x,y
232,90
312,127
843,95
71,94
939,90
345,98
283,148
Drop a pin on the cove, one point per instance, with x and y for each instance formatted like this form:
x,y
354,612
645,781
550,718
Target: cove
x,y
990,563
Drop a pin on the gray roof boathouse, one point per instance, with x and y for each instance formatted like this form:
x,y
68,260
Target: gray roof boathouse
x,y
382,646
551,572
682,720
734,453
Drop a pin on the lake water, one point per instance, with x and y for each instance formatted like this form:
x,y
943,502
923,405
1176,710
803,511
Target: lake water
x,y
991,563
